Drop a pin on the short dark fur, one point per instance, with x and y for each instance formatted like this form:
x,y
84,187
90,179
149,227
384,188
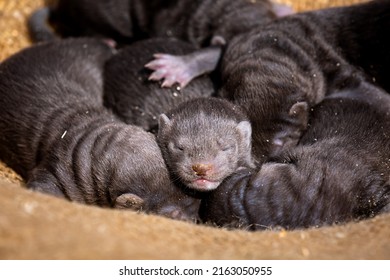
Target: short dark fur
x,y
302,58
128,20
206,24
55,132
204,140
339,172
134,98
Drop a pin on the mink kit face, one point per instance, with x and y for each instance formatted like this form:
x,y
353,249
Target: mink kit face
x,y
203,163
202,148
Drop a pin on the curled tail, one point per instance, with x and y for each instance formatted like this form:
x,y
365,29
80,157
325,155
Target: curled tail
x,y
39,27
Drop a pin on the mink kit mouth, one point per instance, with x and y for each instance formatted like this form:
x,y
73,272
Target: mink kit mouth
x,y
203,184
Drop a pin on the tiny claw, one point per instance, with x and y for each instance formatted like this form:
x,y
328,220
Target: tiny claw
x,y
160,55
110,42
168,82
153,65
157,75
184,83
170,68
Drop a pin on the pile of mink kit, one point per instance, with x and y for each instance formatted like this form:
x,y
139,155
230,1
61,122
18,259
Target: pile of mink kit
x,y
232,113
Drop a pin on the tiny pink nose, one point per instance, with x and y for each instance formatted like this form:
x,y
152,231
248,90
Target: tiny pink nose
x,y
201,169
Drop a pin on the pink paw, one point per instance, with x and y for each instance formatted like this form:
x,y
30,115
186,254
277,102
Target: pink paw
x,y
170,68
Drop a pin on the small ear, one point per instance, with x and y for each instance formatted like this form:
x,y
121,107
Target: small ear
x,y
163,122
385,199
298,117
218,40
245,130
129,201
299,113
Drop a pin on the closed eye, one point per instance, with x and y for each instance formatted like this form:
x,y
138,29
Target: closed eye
x,y
179,147
225,145
286,159
227,148
176,147
291,159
